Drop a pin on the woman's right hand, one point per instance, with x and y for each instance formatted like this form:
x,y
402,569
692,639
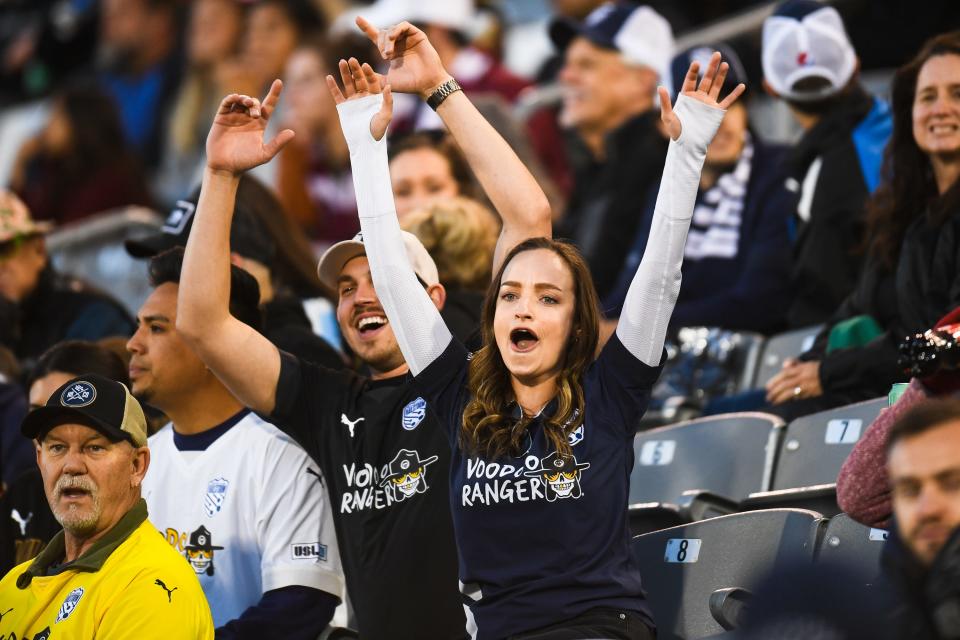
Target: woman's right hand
x,y
235,142
415,66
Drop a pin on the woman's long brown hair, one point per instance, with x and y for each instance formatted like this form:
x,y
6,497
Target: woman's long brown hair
x,y
908,189
489,428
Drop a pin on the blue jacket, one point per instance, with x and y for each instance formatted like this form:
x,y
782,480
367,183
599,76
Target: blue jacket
x,y
749,291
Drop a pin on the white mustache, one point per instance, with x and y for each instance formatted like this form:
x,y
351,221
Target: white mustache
x,y
74,482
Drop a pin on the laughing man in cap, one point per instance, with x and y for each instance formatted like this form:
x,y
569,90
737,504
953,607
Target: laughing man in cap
x,y
613,62
107,574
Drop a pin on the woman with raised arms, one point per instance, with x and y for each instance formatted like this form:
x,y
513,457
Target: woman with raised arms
x,y
541,433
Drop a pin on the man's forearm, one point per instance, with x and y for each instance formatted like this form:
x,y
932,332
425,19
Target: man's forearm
x,y
508,183
205,301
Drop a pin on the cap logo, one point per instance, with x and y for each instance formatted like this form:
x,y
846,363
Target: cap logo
x,y
599,14
179,217
78,394
804,59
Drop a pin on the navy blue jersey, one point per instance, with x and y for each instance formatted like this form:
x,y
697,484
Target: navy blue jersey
x,y
541,538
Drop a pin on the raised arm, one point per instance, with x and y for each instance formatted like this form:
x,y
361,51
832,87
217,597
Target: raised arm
x,y
246,362
415,67
365,112
653,293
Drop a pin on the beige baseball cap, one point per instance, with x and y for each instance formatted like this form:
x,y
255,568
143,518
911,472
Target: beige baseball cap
x,y
15,220
333,259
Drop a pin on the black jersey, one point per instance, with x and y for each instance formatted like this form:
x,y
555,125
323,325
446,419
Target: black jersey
x,y
385,461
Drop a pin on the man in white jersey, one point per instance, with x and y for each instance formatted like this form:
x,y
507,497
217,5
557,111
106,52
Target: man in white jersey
x,y
239,499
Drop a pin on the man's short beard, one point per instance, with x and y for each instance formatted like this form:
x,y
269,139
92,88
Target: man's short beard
x,y
70,519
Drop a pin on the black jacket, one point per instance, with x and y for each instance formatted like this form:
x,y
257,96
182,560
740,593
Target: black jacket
x,y
286,325
928,600
607,200
924,287
826,261
60,308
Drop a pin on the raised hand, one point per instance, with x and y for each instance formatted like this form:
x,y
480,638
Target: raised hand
x,y
360,81
708,92
235,142
415,66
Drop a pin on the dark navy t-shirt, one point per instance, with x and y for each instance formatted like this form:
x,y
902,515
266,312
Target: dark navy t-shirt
x,y
543,539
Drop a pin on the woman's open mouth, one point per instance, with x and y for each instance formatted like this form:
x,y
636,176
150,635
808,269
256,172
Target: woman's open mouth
x,y
523,340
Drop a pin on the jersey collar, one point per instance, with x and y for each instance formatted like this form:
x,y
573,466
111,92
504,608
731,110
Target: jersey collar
x,y
95,556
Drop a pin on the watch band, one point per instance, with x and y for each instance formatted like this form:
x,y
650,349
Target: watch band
x,y
443,92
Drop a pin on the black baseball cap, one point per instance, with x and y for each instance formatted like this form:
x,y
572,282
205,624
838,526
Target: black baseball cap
x,y
248,237
93,400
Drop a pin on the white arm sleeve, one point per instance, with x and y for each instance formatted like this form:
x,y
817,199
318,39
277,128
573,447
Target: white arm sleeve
x,y
653,292
420,330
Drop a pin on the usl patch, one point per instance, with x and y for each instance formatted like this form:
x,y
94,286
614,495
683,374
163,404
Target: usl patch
x,y
216,494
43,635
79,394
308,551
70,604
414,413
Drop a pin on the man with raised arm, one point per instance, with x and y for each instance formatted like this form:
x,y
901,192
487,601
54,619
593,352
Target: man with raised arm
x,y
385,470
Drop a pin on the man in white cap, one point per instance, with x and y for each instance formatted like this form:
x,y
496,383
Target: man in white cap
x,y
809,63
613,62
395,532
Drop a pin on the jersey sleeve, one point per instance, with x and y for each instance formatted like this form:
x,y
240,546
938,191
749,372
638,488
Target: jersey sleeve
x,y
304,394
444,383
623,384
298,544
177,610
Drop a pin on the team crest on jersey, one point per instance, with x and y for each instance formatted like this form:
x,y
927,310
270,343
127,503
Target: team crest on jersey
x,y
562,475
69,604
216,494
79,394
413,414
407,474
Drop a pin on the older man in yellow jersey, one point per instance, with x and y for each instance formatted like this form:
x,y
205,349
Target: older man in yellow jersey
x,y
108,574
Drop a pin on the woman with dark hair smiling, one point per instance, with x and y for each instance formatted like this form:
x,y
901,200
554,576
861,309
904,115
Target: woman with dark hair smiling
x,y
912,275
541,434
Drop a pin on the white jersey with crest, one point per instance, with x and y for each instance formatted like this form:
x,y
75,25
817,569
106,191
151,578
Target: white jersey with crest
x,y
249,513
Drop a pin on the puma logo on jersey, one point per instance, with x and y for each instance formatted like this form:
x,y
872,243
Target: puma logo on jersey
x,y
20,520
160,584
350,423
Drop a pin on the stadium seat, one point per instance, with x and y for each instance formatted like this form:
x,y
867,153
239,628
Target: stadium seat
x,y
821,498
702,571
729,455
850,543
780,347
338,633
94,247
815,446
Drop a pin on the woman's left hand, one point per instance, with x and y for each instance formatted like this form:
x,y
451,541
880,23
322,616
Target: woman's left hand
x,y
360,81
708,92
795,381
